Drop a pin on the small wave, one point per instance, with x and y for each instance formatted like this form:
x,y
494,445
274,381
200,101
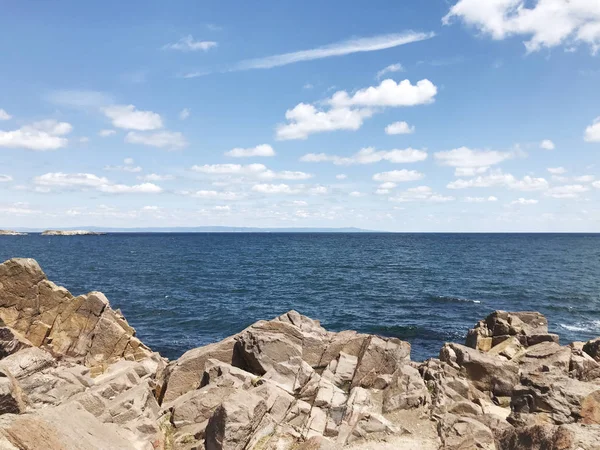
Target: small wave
x,y
591,327
444,298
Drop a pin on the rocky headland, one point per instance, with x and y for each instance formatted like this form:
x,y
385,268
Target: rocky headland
x,y
71,233
11,233
73,375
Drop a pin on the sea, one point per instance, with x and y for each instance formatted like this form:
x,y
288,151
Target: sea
x,y
184,290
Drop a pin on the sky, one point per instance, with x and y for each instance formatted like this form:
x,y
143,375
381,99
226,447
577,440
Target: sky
x,y
445,115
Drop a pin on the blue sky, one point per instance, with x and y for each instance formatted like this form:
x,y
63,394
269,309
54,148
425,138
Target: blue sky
x,y
454,115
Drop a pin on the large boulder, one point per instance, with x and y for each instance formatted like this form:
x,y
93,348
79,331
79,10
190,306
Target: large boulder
x,y
550,437
487,373
592,348
185,374
529,327
555,398
83,327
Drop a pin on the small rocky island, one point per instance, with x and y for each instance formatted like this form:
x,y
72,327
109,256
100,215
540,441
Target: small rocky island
x,y
74,376
71,233
11,233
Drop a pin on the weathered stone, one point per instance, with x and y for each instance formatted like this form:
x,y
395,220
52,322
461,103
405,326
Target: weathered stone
x,y
11,342
544,357
265,344
379,356
406,390
49,316
508,348
550,437
234,421
592,348
28,361
494,328
464,433
555,395
12,399
488,373
186,373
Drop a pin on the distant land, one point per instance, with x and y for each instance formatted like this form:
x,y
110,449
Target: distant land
x,y
209,229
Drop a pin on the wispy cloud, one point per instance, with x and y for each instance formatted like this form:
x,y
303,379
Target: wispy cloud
x,y
79,98
368,44
188,44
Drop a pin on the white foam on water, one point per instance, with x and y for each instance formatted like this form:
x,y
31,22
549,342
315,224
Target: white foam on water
x,y
590,327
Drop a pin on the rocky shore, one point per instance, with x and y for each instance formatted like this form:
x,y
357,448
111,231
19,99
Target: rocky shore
x,y
11,233
71,233
74,376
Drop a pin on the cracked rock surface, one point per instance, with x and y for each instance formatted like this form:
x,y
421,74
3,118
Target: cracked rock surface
x,y
74,376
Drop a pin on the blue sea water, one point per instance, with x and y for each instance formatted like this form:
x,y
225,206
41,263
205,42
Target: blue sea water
x,y
185,290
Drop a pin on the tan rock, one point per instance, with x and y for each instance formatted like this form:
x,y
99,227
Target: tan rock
x,y
186,373
234,421
12,399
486,372
49,316
379,356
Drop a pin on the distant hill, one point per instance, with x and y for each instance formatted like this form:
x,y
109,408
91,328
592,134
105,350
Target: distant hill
x,y
209,229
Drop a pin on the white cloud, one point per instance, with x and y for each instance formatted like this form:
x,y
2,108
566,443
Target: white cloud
x,y
106,133
129,161
592,133
5,178
4,115
567,191
259,150
387,185
498,178
90,181
144,188
584,178
469,171
338,49
318,190
547,144
557,170
348,112
306,119
392,68
214,195
368,156
84,140
155,177
466,158
388,93
18,209
161,139
341,176
184,114
356,194
480,199
70,180
128,167
188,44
251,170
524,201
230,169
596,184
545,23
127,117
275,189
399,128
39,136
420,194
398,176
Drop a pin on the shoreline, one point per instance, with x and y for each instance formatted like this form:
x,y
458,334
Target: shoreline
x,y
285,383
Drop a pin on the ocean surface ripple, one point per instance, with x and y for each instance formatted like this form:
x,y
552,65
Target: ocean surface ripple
x,y
185,290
